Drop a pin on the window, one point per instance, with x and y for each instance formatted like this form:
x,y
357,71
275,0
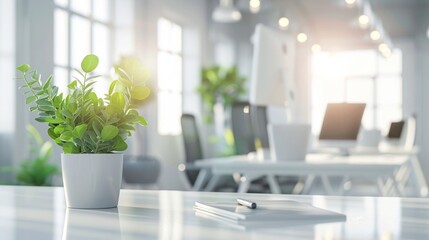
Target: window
x,y
358,76
170,67
82,27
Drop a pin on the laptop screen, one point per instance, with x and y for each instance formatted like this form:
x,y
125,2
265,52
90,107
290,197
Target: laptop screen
x,y
395,130
342,121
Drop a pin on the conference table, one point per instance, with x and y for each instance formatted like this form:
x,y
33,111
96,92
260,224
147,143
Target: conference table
x,y
391,171
40,213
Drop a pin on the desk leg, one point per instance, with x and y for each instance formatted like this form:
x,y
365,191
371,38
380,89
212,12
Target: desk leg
x,y
341,188
245,182
381,187
201,179
308,184
214,180
327,185
419,177
274,185
244,186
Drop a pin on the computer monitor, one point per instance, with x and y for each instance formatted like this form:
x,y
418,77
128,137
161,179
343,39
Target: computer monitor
x,y
272,77
395,130
341,125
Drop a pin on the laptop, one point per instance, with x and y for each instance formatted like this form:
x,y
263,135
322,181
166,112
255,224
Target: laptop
x,y
395,130
288,142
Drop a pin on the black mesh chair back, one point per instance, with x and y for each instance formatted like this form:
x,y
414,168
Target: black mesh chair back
x,y
191,140
242,128
258,116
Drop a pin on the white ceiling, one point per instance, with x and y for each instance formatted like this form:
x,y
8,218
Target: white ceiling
x,y
334,26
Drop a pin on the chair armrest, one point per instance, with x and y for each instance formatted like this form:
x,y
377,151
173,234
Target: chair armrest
x,y
188,166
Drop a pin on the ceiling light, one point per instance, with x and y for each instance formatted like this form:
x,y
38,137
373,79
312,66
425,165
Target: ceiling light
x,y
254,6
302,37
383,47
363,20
350,2
226,12
283,22
316,48
375,35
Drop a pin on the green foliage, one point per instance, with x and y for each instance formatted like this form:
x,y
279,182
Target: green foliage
x,y
220,84
37,171
138,76
82,122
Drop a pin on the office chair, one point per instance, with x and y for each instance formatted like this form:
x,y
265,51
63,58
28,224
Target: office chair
x,y
259,121
241,124
193,152
192,144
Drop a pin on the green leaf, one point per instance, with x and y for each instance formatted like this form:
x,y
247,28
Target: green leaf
x,y
52,133
120,144
79,131
48,108
117,102
44,119
57,100
59,129
112,86
72,85
89,63
72,107
47,83
121,72
23,68
67,136
109,132
30,99
142,121
43,101
140,93
70,148
127,127
96,127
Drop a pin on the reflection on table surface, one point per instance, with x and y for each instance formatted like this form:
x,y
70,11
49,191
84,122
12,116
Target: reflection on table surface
x,y
40,213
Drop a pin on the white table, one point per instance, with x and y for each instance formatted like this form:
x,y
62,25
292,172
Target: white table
x,y
390,172
40,213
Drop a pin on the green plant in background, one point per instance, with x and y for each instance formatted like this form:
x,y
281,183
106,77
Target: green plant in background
x,y
37,171
219,84
81,122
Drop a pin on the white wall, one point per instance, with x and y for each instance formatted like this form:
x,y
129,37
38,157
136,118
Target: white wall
x,y
190,14
34,45
7,74
421,88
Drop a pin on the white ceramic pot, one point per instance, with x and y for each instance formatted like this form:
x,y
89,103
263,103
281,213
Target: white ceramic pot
x,y
92,180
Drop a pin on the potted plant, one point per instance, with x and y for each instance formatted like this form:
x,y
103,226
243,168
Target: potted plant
x,y
90,130
220,86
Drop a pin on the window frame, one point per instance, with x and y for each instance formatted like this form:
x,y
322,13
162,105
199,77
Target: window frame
x,y
92,21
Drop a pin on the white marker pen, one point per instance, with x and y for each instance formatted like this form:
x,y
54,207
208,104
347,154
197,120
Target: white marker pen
x,y
247,203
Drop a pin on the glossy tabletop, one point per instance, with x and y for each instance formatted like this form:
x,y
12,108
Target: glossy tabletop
x,y
40,213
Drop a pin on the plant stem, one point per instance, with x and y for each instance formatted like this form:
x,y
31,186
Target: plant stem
x,y
30,87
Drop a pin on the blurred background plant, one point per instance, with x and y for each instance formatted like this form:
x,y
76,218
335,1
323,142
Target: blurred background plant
x,y
220,85
220,88
37,170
